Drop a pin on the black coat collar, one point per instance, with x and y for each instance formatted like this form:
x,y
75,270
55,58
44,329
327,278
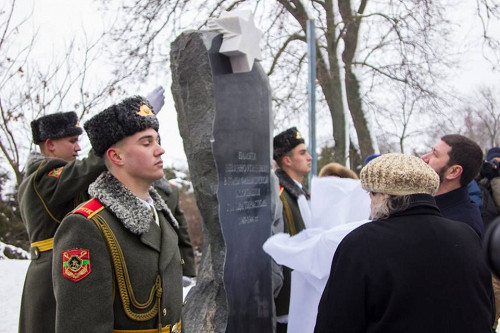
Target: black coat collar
x,y
289,184
453,198
419,204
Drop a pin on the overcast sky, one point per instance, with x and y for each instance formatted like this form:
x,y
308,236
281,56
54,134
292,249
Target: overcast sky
x,y
60,20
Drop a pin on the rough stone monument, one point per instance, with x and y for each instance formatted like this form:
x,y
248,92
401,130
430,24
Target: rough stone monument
x,y
223,102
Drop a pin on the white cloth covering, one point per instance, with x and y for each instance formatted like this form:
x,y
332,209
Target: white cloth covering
x,y
338,206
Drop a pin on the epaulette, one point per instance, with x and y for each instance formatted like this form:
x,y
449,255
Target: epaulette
x,y
90,208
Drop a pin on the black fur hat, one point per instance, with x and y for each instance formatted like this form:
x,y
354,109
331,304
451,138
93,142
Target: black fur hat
x,y
55,126
132,115
286,141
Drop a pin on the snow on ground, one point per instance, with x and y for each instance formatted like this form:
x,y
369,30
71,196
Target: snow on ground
x,y
12,273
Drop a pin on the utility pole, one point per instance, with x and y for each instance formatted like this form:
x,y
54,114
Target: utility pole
x,y
311,89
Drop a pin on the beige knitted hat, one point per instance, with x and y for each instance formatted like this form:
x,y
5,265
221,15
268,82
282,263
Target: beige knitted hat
x,y
399,174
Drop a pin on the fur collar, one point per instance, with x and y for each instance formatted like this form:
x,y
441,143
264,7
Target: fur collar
x,y
126,206
290,185
34,160
35,157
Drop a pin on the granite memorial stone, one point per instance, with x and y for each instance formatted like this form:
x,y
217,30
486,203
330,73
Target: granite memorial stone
x,y
224,120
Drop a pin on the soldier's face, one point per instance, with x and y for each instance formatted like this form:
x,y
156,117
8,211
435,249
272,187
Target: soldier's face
x,y
141,155
300,160
65,148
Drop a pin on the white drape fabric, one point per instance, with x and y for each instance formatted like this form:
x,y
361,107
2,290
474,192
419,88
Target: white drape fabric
x,y
337,206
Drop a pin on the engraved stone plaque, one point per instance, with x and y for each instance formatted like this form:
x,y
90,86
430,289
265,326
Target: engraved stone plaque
x,y
241,150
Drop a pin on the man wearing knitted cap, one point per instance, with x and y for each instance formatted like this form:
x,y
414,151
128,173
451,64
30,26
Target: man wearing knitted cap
x,y
457,161
409,270
54,184
294,163
117,264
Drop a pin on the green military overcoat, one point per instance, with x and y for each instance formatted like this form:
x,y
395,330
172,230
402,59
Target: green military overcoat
x,y
292,224
50,189
170,194
101,280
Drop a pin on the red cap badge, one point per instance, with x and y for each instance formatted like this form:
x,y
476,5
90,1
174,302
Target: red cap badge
x,y
75,264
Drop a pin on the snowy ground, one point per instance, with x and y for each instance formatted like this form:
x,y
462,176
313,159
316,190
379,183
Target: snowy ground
x,y
12,273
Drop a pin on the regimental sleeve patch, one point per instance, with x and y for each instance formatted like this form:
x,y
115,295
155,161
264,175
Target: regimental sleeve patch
x,y
76,264
56,172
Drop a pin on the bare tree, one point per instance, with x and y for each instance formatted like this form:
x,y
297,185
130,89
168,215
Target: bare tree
x,y
476,116
30,88
365,49
489,13
481,118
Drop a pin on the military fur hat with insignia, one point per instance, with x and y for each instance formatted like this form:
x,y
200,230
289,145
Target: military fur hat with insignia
x,y
132,115
55,126
286,141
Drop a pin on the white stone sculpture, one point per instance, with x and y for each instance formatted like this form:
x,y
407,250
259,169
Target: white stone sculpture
x,y
240,39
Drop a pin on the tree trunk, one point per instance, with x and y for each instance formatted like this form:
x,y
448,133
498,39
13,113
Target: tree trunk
x,y
357,113
350,39
328,74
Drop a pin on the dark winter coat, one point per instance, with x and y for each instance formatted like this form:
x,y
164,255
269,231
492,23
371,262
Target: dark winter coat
x,y
489,190
170,194
412,272
95,303
457,205
50,190
292,224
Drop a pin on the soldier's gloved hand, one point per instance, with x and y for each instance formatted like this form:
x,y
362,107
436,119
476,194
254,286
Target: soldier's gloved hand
x,y
156,99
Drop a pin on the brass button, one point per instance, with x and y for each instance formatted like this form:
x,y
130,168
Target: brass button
x,y
164,311
36,252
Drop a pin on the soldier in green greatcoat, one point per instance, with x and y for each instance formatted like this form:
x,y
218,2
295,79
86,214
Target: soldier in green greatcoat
x,y
117,265
54,184
294,163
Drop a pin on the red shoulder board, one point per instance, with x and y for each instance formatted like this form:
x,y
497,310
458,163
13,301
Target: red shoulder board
x,y
90,208
76,264
55,172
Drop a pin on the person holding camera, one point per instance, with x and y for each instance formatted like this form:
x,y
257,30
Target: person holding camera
x,y
490,185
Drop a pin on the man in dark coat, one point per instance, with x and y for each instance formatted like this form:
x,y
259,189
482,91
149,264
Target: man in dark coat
x,y
410,269
457,160
54,184
294,163
117,264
